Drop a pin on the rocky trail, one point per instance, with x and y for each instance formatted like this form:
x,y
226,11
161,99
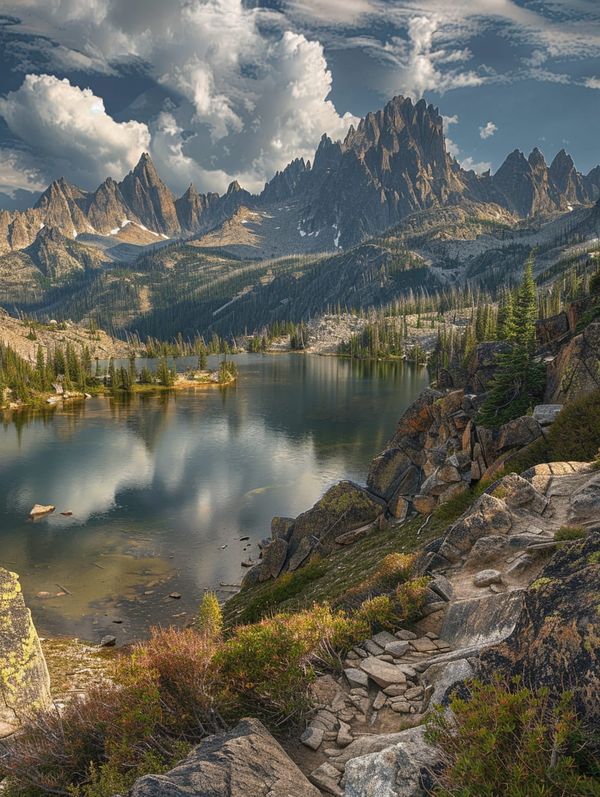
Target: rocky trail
x,y
366,723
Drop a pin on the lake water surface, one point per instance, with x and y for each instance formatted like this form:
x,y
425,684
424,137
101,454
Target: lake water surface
x,y
163,486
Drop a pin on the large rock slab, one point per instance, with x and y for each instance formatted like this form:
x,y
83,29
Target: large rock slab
x,y
386,471
273,559
518,433
392,772
488,516
383,673
24,679
245,762
575,371
556,638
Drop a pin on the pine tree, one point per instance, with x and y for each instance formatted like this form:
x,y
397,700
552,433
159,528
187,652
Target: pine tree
x,y
519,380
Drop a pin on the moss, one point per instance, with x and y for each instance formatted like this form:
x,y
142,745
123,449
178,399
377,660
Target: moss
x,y
594,558
340,499
540,582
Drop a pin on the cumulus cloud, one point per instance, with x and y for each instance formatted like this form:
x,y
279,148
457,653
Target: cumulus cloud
x,y
248,94
592,82
71,125
488,130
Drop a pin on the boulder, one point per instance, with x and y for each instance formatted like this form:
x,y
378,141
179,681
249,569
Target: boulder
x,y
486,550
24,679
442,677
312,737
302,552
399,507
486,577
584,504
519,493
555,639
418,417
546,414
41,509
424,504
281,527
393,772
274,556
488,515
244,762
344,507
518,433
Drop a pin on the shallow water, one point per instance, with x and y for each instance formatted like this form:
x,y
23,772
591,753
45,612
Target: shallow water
x,y
163,486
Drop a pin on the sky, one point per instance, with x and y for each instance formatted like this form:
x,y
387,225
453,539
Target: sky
x,y
218,90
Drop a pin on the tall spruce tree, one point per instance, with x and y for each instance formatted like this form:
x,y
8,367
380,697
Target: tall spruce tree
x,y
519,380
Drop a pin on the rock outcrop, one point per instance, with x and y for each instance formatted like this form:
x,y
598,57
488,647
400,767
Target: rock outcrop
x,y
556,639
576,368
24,679
245,762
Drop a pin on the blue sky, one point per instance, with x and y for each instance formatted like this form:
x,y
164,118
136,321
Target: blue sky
x,y
221,89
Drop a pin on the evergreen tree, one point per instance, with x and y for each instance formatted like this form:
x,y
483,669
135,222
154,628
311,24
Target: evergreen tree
x,y
519,380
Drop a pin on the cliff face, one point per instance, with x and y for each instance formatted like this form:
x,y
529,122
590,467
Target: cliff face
x,y
24,679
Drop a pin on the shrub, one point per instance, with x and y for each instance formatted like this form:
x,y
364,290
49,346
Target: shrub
x,y
267,667
410,599
210,617
567,533
378,612
511,741
393,569
164,696
575,434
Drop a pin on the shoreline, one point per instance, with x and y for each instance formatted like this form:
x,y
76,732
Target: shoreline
x,y
53,401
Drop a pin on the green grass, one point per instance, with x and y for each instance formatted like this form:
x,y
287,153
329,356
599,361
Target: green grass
x,y
327,580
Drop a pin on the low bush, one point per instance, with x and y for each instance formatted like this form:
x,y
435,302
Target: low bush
x,y
392,570
511,741
410,599
568,533
266,667
575,434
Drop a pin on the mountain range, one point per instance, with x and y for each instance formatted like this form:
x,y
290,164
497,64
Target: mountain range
x,y
385,212
394,163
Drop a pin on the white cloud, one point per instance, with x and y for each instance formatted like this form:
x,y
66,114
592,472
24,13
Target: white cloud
x,y
452,148
488,130
418,61
592,82
479,166
338,12
70,125
249,95
16,174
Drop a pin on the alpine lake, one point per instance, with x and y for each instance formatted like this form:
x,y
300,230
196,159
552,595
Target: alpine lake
x,y
170,491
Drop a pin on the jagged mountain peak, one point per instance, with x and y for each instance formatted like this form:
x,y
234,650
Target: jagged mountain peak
x,y
536,158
